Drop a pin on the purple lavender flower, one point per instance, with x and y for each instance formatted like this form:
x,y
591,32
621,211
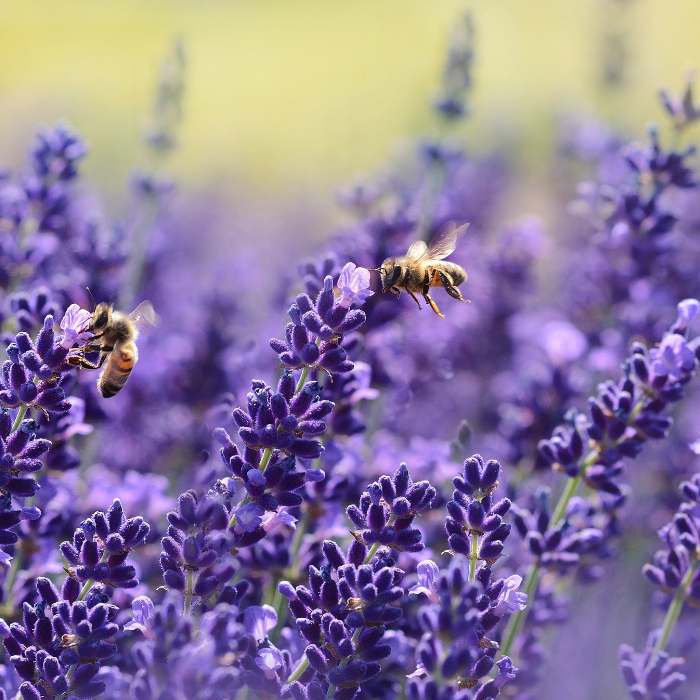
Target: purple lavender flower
x,y
353,283
143,608
101,546
428,573
650,673
259,620
673,358
74,325
57,153
349,601
510,599
682,109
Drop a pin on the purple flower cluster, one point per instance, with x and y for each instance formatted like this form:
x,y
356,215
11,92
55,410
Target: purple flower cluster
x,y
627,413
64,637
101,546
465,603
344,611
313,338
296,566
674,569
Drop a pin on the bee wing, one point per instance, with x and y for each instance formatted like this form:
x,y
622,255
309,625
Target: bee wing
x,y
445,241
417,250
144,316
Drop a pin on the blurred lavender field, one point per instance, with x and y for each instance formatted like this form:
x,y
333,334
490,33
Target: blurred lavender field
x,y
308,488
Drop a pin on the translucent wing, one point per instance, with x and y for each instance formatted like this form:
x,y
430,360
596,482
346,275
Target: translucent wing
x,y
417,250
445,241
144,316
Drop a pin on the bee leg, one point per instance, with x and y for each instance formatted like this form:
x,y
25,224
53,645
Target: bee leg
x,y
82,363
416,299
450,288
426,282
433,305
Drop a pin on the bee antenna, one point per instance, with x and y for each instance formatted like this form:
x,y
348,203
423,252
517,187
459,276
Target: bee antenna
x,y
94,303
374,269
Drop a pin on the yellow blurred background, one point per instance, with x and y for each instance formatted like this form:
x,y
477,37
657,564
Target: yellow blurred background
x,y
301,96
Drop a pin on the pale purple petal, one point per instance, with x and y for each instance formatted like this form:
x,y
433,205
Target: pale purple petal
x,y
74,323
353,283
259,620
428,573
269,660
506,672
271,521
510,599
672,358
248,517
142,609
418,673
688,309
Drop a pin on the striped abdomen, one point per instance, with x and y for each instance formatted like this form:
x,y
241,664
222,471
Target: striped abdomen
x,y
455,272
117,369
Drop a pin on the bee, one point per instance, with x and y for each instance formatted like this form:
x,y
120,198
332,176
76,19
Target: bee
x,y
114,337
423,267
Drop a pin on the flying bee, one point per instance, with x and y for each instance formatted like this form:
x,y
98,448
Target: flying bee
x,y
114,337
423,267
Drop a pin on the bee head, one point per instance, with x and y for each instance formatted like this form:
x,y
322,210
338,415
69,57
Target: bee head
x,y
390,272
101,317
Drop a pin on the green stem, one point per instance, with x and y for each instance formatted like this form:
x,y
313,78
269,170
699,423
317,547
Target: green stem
x,y
88,585
517,620
188,594
20,416
474,556
674,610
304,376
91,582
569,490
69,675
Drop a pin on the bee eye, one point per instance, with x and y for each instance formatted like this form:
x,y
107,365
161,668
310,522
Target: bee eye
x,y
397,273
101,320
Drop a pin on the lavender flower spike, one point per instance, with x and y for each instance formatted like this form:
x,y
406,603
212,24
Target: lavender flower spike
x,y
353,283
